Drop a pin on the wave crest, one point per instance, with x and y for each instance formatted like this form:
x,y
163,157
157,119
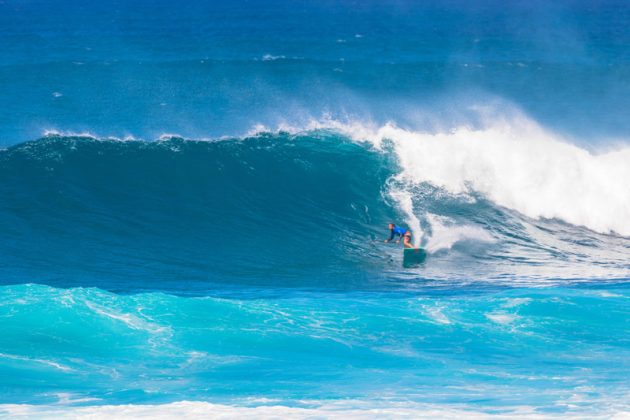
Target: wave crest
x,y
518,165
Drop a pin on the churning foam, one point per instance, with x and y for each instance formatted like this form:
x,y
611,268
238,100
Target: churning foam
x,y
203,410
445,234
516,164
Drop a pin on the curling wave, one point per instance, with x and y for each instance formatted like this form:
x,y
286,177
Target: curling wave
x,y
308,208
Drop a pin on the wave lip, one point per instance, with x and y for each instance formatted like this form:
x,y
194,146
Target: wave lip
x,y
520,166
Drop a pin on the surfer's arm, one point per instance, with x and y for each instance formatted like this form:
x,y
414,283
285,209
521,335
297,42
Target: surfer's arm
x,y
390,237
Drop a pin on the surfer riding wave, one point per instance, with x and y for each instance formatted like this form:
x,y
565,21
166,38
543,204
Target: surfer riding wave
x,y
403,233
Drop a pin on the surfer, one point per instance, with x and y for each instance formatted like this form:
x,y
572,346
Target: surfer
x,y
405,234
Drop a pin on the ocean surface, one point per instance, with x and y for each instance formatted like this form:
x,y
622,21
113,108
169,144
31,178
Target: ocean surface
x,y
194,197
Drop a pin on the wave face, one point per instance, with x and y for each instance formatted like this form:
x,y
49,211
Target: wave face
x,y
291,210
309,210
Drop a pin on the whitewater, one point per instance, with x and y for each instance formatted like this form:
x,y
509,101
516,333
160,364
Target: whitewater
x,y
194,200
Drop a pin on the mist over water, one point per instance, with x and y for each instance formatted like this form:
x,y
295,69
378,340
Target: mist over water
x,y
194,197
209,70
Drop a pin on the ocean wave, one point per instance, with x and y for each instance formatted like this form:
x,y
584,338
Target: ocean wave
x,y
460,346
194,206
508,201
227,182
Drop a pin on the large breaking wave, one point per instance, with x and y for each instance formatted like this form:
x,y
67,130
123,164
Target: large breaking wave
x,y
308,207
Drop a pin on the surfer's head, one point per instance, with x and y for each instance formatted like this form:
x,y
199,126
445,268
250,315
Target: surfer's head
x,y
391,226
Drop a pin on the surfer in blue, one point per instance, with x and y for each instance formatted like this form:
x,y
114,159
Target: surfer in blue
x,y
403,233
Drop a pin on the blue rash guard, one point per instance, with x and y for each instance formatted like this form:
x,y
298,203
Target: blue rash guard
x,y
398,231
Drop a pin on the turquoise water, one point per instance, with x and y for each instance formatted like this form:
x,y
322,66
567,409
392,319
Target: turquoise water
x,y
193,202
490,349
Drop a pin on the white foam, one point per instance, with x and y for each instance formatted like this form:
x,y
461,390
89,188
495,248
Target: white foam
x,y
405,203
445,233
435,313
169,136
347,409
515,163
270,57
501,318
130,320
71,398
609,295
514,302
61,133
84,134
50,363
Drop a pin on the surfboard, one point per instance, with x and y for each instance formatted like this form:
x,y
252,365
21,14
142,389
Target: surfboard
x,y
413,257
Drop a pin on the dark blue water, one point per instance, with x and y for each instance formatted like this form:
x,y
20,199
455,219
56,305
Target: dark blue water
x,y
193,202
204,69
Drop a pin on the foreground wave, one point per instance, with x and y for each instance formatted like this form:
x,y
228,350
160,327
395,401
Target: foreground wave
x,y
552,349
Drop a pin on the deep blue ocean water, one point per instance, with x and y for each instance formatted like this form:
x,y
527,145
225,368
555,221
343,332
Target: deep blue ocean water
x,y
194,197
